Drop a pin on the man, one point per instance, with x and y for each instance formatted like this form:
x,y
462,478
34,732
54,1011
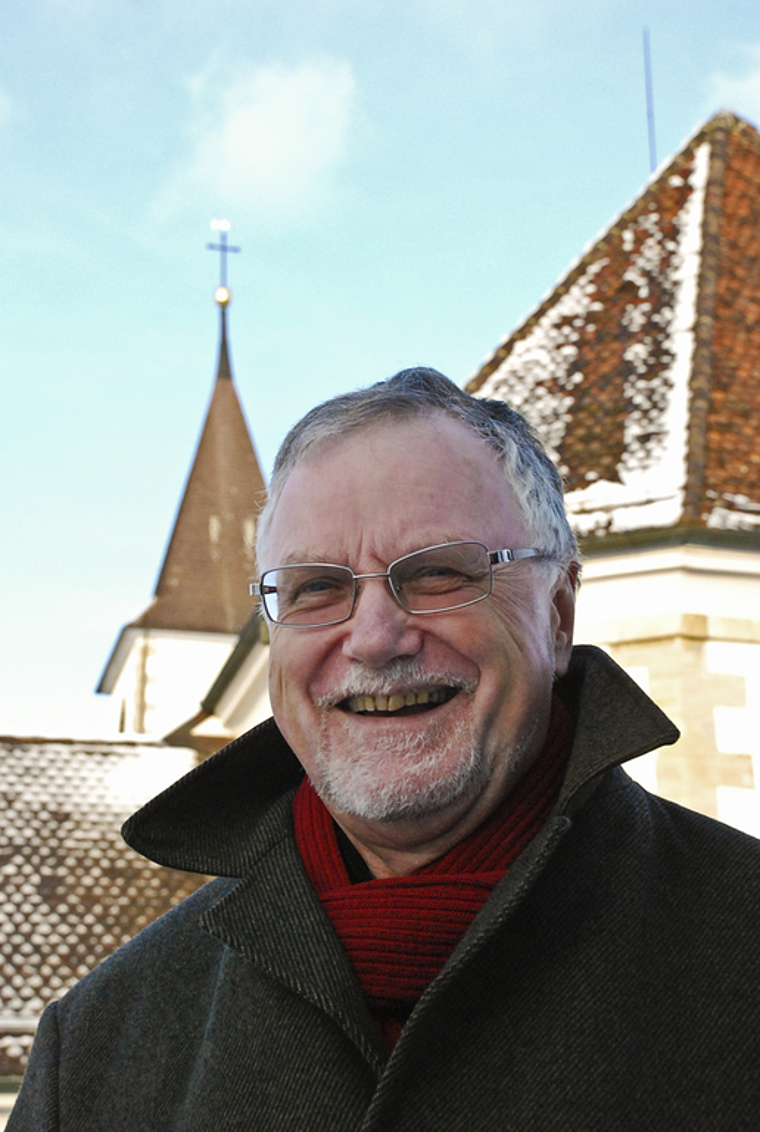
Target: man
x,y
465,915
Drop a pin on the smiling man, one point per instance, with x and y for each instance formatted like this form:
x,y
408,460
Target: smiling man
x,y
404,781
442,904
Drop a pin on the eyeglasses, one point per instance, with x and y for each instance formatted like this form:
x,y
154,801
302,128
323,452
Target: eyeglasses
x,y
434,580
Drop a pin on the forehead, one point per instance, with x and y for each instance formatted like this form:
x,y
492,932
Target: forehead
x,y
392,488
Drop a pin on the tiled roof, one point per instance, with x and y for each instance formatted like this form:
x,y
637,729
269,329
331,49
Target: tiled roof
x,y
72,891
210,556
641,369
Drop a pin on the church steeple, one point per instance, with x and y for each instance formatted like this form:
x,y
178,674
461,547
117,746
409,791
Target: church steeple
x,y
210,554
201,588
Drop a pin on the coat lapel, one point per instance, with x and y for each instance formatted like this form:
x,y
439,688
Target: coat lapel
x,y
274,919
615,721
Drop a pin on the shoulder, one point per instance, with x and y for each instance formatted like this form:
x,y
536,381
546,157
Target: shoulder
x,y
171,950
680,825
681,858
127,1016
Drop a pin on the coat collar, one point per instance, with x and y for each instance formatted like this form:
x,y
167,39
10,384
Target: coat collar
x,y
275,920
615,721
211,820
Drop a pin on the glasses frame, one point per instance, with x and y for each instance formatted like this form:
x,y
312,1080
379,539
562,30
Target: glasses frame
x,y
495,557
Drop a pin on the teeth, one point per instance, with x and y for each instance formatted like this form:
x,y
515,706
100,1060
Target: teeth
x,y
397,700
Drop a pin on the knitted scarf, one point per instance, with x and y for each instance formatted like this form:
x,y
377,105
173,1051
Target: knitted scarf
x,y
400,931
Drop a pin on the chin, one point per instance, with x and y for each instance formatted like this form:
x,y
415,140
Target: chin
x,y
402,775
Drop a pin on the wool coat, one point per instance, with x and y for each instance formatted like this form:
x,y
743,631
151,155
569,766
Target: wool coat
x,y
610,983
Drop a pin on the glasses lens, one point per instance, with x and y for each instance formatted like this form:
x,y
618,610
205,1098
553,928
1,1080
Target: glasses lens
x,y
443,577
308,595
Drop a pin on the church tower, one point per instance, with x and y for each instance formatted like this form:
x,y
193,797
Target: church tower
x,y
165,660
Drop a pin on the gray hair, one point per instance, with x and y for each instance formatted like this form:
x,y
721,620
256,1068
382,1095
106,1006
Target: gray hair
x,y
421,392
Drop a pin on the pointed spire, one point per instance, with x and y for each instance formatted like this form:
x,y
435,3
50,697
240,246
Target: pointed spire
x,y
223,370
210,554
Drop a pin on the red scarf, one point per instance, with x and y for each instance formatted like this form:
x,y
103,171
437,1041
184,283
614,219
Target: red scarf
x,y
400,931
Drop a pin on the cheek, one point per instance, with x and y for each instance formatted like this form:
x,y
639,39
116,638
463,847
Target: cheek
x,y
516,661
525,616
277,685
289,710
513,698
288,680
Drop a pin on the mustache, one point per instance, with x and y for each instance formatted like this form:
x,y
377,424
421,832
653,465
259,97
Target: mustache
x,y
398,676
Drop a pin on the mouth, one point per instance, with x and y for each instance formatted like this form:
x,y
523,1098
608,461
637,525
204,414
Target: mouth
x,y
411,702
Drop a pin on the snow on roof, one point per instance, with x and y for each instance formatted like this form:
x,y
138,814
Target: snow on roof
x,y
641,370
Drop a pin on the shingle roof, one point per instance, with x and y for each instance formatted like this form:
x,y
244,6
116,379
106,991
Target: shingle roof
x,y
641,369
210,555
72,891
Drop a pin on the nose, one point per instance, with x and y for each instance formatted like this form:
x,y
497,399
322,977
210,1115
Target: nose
x,y
379,630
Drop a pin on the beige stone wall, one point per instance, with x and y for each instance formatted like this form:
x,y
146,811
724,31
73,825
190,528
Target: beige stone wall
x,y
681,674
670,619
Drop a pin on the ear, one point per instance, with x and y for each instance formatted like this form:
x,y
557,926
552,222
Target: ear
x,y
563,621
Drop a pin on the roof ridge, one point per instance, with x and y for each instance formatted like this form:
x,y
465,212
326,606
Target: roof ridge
x,y
700,383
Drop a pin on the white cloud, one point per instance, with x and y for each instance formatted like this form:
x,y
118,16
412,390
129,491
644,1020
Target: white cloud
x,y
742,95
269,140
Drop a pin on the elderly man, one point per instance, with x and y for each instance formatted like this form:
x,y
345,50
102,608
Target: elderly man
x,y
464,915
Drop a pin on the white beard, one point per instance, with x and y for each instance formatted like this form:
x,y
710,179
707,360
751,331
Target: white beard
x,y
407,775
400,776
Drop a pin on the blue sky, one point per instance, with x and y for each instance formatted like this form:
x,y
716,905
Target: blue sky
x,y
406,179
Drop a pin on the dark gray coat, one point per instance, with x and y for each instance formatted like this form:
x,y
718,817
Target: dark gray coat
x,y
611,983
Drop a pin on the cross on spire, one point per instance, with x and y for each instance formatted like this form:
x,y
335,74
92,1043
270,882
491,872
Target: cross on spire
x,y
222,227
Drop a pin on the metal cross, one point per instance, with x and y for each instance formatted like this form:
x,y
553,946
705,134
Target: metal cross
x,y
223,227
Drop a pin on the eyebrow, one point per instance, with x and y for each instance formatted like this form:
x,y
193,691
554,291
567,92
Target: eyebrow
x,y
306,558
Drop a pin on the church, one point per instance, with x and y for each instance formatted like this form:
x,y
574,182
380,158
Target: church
x,y
164,661
641,372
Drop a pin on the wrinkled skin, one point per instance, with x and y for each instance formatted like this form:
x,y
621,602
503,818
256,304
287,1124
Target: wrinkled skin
x,y
362,502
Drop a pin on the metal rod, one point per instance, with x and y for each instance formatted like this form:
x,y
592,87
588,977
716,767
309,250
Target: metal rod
x,y
650,103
